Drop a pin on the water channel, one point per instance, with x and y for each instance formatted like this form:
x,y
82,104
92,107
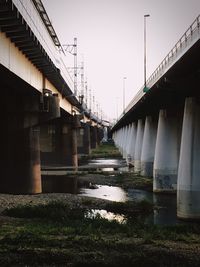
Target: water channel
x,y
164,214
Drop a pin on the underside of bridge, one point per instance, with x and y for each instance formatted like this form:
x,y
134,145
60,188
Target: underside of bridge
x,y
36,131
180,81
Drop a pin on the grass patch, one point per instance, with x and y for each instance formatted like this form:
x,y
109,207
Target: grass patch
x,y
131,208
55,211
105,150
132,180
57,235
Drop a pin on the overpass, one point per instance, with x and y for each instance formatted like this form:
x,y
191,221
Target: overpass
x,y
44,120
159,134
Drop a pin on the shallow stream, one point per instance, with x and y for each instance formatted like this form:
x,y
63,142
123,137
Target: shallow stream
x,y
164,214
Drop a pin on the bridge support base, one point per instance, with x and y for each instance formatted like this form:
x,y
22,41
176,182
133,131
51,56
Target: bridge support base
x,y
138,146
148,147
93,136
131,149
188,190
21,163
166,153
83,136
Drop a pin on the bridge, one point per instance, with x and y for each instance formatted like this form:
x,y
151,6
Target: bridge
x,y
159,132
45,120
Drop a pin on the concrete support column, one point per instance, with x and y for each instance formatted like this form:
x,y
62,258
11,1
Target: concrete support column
x,y
138,146
31,165
125,140
66,144
128,140
105,134
21,162
166,153
188,188
74,148
121,138
100,135
93,137
131,150
148,147
86,139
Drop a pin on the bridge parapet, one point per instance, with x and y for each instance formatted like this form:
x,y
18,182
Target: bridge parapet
x,y
191,35
187,40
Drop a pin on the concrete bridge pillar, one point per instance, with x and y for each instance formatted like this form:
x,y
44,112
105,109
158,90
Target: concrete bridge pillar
x,y
128,142
117,138
93,136
121,141
74,148
21,162
69,143
166,153
84,144
66,144
131,144
100,135
30,167
188,188
120,137
125,141
148,147
138,146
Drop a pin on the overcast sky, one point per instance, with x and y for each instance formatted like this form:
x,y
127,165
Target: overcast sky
x,y
110,38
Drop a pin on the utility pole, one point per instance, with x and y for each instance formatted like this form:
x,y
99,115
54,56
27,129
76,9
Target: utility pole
x,y
145,56
86,93
124,78
72,49
75,66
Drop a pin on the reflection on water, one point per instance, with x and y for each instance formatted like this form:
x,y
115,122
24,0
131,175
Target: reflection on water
x,y
164,213
107,169
139,195
106,192
102,161
111,164
105,214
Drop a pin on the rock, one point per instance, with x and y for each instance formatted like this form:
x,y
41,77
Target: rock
x,y
92,186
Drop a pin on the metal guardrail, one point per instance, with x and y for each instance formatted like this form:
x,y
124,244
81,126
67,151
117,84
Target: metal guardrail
x,y
191,35
186,40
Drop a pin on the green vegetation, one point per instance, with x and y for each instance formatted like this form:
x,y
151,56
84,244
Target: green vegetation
x,y
132,180
57,235
105,150
62,234
125,180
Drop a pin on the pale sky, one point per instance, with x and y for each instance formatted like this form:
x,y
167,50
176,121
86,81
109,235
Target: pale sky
x,y
110,39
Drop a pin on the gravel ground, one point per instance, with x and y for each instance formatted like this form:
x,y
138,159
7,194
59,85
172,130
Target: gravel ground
x,y
8,200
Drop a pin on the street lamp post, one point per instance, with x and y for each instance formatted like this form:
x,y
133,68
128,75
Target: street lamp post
x,y
117,108
145,56
124,78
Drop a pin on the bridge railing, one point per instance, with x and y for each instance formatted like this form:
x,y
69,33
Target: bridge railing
x,y
184,43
